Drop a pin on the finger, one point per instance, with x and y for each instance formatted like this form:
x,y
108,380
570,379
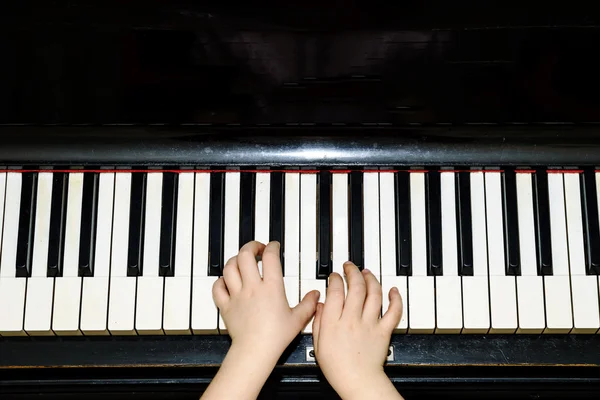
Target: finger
x,y
231,274
247,262
392,316
357,291
271,261
316,328
305,310
334,300
372,308
220,293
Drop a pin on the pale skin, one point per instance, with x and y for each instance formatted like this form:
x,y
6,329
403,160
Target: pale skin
x,y
351,340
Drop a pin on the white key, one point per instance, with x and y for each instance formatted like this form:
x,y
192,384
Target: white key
x,y
67,293
308,226
40,287
262,207
305,287
340,249
421,302
584,288
2,198
387,218
598,197
387,223
292,290
232,216
372,259
204,310
12,204
177,305
308,241
448,287
231,237
530,286
476,303
371,222
94,299
503,293
292,238
12,289
418,230
559,315
401,282
149,301
121,302
11,321
292,225
121,311
176,314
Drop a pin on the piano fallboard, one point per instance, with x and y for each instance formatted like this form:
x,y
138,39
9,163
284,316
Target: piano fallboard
x,y
298,145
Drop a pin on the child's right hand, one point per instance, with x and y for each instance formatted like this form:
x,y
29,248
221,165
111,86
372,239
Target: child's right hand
x,y
351,340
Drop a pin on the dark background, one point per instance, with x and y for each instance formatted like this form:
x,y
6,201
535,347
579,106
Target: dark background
x,y
298,61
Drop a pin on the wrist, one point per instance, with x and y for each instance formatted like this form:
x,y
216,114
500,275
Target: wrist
x,y
371,386
256,354
248,371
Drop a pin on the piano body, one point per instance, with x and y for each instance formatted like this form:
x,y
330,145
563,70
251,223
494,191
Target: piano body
x,y
451,149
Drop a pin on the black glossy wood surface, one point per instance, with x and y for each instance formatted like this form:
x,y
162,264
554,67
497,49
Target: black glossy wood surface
x,y
206,351
353,146
466,367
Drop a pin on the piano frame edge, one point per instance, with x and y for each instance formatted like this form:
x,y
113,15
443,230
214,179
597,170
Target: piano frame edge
x,y
454,366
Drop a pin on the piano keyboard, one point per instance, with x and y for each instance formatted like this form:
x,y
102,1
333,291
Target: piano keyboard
x,y
136,252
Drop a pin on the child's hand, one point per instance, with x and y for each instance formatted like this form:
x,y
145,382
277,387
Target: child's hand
x,y
255,310
351,340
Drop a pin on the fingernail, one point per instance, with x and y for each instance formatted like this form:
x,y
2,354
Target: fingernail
x,y
366,270
395,289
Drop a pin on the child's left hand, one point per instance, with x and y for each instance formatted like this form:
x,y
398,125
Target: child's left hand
x,y
256,310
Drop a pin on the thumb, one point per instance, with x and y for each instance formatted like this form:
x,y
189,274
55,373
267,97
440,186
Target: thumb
x,y
305,310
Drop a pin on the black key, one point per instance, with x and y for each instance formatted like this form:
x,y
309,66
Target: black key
x,y
137,210
434,222
87,235
216,221
166,266
247,205
403,224
276,209
58,216
356,218
464,226
511,224
591,230
324,263
541,215
26,224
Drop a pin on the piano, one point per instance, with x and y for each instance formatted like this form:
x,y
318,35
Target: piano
x,y
455,155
